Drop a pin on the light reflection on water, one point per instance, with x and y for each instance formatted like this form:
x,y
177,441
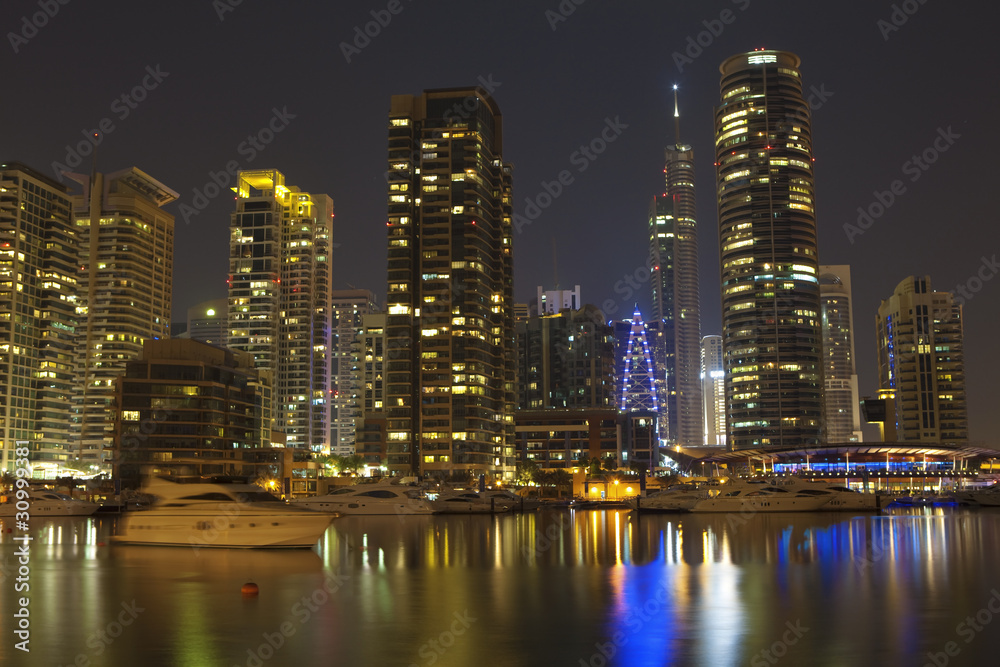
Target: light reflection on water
x,y
536,589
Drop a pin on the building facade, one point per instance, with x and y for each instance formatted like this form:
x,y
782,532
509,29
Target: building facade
x,y
125,244
550,302
842,407
566,360
771,327
208,322
279,298
921,361
674,281
713,391
348,310
187,409
38,320
370,358
450,326
559,438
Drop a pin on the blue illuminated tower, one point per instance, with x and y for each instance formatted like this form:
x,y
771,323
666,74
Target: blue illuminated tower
x,y
638,385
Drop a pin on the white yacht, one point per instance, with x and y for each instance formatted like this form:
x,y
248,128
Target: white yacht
x,y
226,515
516,502
467,502
839,497
380,498
986,497
43,502
752,496
677,498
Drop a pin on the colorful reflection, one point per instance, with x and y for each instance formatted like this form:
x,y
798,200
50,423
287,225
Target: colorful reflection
x,y
551,587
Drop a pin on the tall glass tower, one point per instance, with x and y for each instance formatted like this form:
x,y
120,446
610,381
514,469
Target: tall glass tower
x,y
767,228
279,298
450,383
673,239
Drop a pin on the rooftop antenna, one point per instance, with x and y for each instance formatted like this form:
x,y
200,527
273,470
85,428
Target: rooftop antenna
x,y
677,120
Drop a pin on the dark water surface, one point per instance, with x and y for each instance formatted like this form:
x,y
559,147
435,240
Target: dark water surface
x,y
591,588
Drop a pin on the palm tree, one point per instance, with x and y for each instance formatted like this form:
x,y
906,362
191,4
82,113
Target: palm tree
x,y
354,462
527,471
562,479
7,480
324,460
544,479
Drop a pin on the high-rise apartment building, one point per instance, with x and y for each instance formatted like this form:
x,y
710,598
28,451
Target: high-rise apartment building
x,y
125,250
566,360
767,226
713,391
840,381
349,308
673,239
279,298
369,358
921,361
673,249
450,323
38,321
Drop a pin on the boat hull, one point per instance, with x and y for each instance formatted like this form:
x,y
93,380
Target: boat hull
x,y
52,508
247,530
467,507
364,507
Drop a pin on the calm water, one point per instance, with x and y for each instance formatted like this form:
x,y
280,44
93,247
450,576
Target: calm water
x,y
550,588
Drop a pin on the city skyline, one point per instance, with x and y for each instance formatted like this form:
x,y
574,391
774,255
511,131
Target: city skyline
x,y
867,132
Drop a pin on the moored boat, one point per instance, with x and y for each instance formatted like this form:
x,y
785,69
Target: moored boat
x,y
44,502
754,496
223,515
380,498
466,502
677,498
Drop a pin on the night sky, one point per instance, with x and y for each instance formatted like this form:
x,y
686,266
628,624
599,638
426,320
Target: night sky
x,y
216,74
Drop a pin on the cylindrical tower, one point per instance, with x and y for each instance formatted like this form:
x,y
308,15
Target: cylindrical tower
x,y
768,255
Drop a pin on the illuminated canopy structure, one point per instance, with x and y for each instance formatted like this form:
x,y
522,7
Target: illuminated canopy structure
x,y
638,385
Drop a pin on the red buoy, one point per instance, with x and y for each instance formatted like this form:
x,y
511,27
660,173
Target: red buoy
x,y
249,589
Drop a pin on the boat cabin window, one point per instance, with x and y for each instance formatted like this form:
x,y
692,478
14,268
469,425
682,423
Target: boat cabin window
x,y
216,496
256,497
381,493
340,492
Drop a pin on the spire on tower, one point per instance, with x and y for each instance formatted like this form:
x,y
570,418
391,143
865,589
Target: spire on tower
x,y
677,120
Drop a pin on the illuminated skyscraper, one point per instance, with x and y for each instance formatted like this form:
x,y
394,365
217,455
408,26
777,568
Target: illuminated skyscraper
x,y
673,246
350,306
566,360
38,321
713,390
125,280
279,298
840,382
450,319
767,226
921,362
